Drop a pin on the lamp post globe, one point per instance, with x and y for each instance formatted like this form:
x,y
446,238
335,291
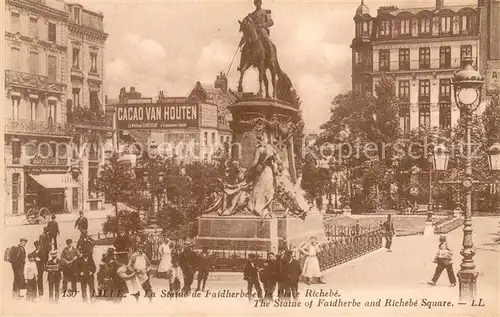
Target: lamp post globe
x,y
467,86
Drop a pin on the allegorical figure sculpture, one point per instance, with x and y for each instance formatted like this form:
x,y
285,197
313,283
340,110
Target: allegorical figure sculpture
x,y
254,190
257,50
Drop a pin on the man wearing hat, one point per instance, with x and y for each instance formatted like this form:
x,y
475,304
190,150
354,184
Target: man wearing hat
x,y
45,243
81,222
140,263
40,260
85,243
53,268
18,260
53,231
291,275
85,269
251,275
187,261
68,260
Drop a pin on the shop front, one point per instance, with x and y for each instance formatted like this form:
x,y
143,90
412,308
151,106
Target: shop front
x,y
52,191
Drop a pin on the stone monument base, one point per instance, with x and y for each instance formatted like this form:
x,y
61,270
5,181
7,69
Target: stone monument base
x,y
249,232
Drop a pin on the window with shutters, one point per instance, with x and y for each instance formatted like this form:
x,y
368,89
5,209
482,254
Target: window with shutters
x,y
445,90
425,25
424,115
52,68
404,58
404,90
34,63
52,32
445,57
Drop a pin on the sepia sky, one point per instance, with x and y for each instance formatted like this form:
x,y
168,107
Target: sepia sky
x,y
170,45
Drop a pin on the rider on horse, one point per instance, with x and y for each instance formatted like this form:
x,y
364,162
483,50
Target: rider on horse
x,y
263,21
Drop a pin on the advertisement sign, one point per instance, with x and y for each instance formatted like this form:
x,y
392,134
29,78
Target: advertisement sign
x,y
157,116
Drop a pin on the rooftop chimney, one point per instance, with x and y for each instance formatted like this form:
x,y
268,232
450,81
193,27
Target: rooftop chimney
x,y
439,5
221,82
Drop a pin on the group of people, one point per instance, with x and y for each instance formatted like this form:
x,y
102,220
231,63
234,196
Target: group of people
x,y
283,272
74,264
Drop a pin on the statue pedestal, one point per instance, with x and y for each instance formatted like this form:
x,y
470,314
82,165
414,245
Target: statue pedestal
x,y
249,233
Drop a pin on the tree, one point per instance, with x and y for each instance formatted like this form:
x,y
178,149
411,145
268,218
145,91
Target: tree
x,y
491,120
362,130
299,136
115,180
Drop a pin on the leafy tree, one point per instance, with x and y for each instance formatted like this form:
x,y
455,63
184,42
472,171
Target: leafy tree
x,y
115,180
299,136
491,120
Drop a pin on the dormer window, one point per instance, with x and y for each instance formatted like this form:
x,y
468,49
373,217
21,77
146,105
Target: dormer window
x,y
76,15
466,23
425,25
385,28
405,27
445,25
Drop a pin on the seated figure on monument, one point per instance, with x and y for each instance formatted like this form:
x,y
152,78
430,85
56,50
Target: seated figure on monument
x,y
254,190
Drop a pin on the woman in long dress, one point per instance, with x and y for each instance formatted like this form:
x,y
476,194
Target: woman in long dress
x,y
166,258
311,268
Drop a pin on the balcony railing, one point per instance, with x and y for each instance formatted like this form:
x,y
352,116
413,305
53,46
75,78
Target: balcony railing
x,y
85,116
51,160
31,80
415,65
37,127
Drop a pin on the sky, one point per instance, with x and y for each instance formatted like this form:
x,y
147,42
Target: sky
x,y
169,45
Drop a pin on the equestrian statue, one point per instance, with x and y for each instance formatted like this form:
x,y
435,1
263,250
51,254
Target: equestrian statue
x,y
257,50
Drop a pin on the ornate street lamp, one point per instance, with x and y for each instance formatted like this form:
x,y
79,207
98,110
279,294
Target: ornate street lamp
x,y
438,160
467,86
494,157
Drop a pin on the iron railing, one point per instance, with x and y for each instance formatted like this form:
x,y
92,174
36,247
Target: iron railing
x,y
19,126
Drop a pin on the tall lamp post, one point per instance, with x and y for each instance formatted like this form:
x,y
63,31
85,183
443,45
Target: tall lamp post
x,y
430,212
467,86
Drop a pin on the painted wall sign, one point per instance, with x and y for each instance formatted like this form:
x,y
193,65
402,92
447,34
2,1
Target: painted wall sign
x,y
157,116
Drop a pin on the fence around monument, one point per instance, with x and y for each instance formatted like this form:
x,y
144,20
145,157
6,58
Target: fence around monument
x,y
342,245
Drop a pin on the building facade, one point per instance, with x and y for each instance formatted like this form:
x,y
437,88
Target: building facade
x,y
196,137
420,49
38,137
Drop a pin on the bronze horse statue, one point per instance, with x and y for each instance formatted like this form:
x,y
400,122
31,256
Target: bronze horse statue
x,y
255,54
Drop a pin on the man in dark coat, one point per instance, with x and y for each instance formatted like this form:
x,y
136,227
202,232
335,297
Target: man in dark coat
x,y
280,260
86,268
203,269
81,222
68,260
53,231
122,246
40,260
85,243
45,242
188,259
270,276
251,275
17,260
291,275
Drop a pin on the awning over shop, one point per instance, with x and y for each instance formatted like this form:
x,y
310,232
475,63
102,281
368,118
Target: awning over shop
x,y
55,180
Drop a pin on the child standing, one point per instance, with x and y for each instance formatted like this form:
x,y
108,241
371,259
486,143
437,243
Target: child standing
x,y
30,276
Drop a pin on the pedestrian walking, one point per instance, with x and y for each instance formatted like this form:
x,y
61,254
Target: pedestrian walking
x,y
187,262
86,269
443,260
53,231
68,260
388,227
270,276
251,275
203,268
18,260
291,275
30,276
53,268
311,270
40,260
82,223
140,263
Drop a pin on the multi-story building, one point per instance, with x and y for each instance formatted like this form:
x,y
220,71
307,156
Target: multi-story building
x,y
420,49
192,134
38,137
85,97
